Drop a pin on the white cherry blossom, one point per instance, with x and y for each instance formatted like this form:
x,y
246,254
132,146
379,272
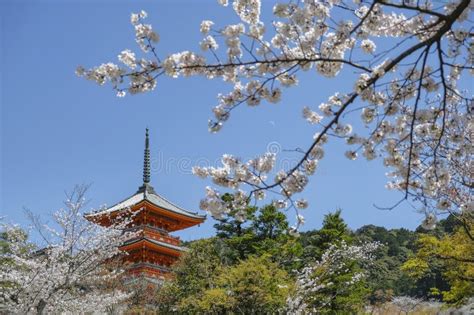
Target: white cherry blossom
x,y
406,65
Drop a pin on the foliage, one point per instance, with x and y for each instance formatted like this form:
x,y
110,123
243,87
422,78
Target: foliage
x,y
255,285
333,231
210,270
264,232
357,274
386,279
451,253
193,273
200,286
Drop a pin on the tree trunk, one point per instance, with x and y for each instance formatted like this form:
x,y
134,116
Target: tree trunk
x,y
40,307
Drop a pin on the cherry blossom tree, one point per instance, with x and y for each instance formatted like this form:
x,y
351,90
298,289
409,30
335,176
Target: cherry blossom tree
x,y
333,283
406,304
409,61
74,273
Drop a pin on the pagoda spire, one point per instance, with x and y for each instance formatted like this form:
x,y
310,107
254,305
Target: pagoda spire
x,y
146,187
146,160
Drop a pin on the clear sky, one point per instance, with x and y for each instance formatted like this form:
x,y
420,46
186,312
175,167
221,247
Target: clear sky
x,y
58,130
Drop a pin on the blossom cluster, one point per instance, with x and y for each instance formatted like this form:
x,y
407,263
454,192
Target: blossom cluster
x,y
233,174
316,278
406,90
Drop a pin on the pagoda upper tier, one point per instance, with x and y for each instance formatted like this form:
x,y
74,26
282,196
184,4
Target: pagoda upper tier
x,y
154,210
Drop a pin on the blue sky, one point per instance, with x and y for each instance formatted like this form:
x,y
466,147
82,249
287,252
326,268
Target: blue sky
x,y
58,130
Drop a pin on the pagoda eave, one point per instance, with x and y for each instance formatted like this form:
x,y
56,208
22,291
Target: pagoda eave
x,y
161,247
148,271
107,218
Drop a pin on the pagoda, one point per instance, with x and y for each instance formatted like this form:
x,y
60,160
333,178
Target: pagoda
x,y
152,250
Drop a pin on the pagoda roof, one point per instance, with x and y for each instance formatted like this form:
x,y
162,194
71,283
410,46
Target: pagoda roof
x,y
152,197
163,244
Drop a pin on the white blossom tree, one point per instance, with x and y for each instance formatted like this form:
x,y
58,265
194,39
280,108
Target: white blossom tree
x,y
409,61
406,304
320,285
74,273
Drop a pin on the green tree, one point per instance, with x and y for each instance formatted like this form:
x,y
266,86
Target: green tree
x,y
253,286
235,232
386,279
264,232
270,228
232,224
269,223
333,231
452,255
194,273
